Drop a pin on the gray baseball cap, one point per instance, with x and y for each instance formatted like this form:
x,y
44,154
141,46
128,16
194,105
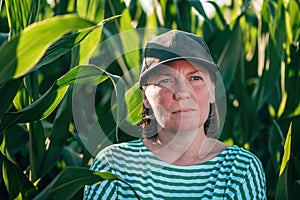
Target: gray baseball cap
x,y
175,45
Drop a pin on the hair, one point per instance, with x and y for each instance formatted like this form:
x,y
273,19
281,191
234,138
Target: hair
x,y
211,126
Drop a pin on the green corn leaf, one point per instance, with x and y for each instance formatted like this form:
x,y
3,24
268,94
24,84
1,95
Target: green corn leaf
x,y
48,102
71,180
22,99
58,136
133,99
16,182
219,13
198,6
92,10
228,60
20,54
37,149
7,94
296,189
184,21
267,87
21,14
62,46
88,45
287,151
282,191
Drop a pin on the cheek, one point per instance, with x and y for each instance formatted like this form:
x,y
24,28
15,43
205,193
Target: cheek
x,y
204,97
156,96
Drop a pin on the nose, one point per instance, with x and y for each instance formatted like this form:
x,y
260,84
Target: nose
x,y
182,90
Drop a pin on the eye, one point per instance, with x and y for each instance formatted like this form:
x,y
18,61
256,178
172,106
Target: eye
x,y
164,81
196,78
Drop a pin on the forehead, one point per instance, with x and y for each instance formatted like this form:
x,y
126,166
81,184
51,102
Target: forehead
x,y
178,67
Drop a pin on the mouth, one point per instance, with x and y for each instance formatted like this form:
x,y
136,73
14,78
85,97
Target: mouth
x,y
183,111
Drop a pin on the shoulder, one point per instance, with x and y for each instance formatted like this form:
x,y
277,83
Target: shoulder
x,y
244,163
240,154
247,174
121,148
241,162
106,158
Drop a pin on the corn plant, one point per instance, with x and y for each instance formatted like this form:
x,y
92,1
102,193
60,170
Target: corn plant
x,y
50,50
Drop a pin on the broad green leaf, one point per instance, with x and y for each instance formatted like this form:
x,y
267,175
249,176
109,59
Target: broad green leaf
x,y
21,53
37,110
88,45
62,46
133,99
48,101
184,19
292,84
124,25
70,180
287,150
58,136
37,149
120,94
266,89
296,189
16,181
132,50
229,59
198,6
219,13
92,10
22,99
7,94
282,105
21,14
283,184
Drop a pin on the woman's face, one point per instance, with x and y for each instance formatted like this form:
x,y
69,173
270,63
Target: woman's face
x,y
180,95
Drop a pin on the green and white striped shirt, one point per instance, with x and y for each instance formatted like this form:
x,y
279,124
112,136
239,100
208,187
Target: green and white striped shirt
x,y
233,174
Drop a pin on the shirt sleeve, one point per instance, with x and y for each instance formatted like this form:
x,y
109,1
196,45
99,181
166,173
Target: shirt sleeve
x,y
105,189
253,185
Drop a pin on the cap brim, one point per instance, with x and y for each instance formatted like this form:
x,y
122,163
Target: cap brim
x,y
203,63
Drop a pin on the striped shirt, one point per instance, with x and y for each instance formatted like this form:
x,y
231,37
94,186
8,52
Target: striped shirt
x,y
233,174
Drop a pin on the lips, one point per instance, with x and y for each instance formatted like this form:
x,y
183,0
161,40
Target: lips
x,y
183,110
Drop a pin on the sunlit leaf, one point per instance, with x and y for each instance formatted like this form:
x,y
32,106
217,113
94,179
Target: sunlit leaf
x,y
49,101
133,99
21,53
92,10
62,46
287,151
21,14
282,191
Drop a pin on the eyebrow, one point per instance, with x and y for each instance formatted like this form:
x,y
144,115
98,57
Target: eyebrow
x,y
189,73
194,72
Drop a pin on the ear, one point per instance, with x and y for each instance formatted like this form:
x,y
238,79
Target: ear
x,y
145,100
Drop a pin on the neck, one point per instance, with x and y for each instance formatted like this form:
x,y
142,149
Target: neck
x,y
181,142
184,148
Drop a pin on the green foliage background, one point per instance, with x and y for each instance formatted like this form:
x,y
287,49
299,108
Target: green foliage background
x,y
44,46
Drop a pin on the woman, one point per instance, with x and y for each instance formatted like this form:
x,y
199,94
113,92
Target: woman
x,y
178,158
